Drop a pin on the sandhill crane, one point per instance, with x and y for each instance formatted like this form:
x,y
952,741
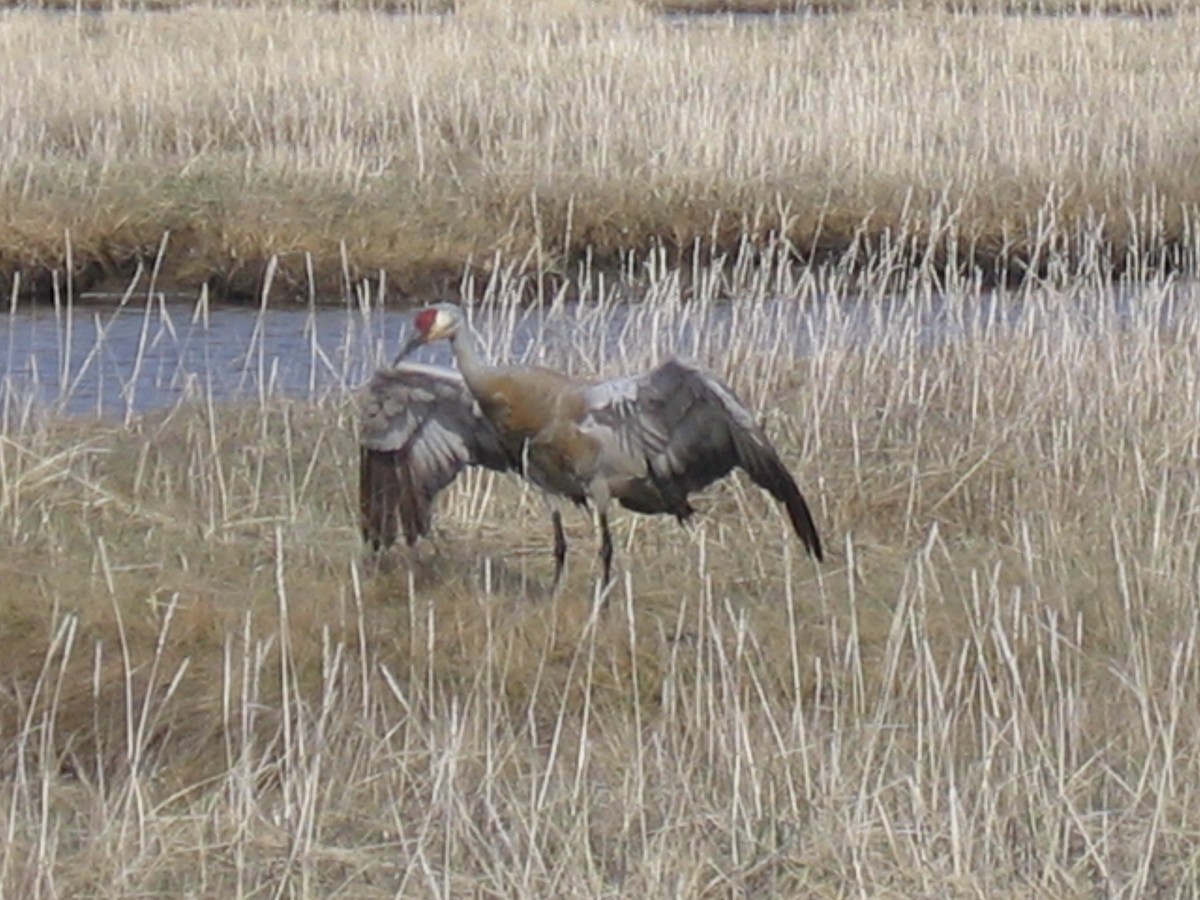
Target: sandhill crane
x,y
646,441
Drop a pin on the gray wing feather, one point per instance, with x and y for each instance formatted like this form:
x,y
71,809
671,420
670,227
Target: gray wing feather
x,y
691,430
420,427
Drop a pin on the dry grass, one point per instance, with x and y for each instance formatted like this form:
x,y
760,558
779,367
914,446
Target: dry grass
x,y
349,144
1125,8
687,7
990,690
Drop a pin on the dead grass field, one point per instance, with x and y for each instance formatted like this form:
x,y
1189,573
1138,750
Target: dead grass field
x,y
991,689
348,144
1150,8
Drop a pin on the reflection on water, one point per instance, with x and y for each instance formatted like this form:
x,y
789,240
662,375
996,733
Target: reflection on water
x,y
108,360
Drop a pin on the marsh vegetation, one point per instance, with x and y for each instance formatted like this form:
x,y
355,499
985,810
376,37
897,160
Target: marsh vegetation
x,y
990,688
951,262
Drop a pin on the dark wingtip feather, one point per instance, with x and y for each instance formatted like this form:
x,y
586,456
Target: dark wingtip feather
x,y
388,500
413,504
768,472
376,498
802,522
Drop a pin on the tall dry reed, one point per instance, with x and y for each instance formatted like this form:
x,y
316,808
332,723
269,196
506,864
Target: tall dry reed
x,y
990,689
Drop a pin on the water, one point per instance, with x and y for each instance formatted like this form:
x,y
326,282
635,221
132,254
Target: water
x,y
105,359
93,359
113,360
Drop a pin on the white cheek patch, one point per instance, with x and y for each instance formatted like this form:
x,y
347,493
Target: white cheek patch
x,y
440,323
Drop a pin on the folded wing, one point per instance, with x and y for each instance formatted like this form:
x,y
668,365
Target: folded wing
x,y
420,427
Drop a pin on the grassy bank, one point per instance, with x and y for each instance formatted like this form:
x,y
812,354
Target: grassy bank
x,y
991,689
345,145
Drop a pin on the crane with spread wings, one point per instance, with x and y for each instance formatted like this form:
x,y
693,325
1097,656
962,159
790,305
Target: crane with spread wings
x,y
645,441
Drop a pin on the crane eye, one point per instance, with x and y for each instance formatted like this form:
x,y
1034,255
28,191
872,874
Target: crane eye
x,y
424,320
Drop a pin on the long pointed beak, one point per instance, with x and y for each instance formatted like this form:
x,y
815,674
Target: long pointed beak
x,y
415,340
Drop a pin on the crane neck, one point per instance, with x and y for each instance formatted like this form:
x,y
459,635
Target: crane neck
x,y
466,354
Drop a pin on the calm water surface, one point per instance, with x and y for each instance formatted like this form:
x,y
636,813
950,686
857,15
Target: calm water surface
x,y
101,359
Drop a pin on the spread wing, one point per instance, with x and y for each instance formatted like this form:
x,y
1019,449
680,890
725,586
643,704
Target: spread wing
x,y
420,427
690,429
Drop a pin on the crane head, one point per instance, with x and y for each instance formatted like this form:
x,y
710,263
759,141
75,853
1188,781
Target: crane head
x,y
433,323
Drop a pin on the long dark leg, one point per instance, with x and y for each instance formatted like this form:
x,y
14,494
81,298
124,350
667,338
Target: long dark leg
x,y
606,548
560,545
